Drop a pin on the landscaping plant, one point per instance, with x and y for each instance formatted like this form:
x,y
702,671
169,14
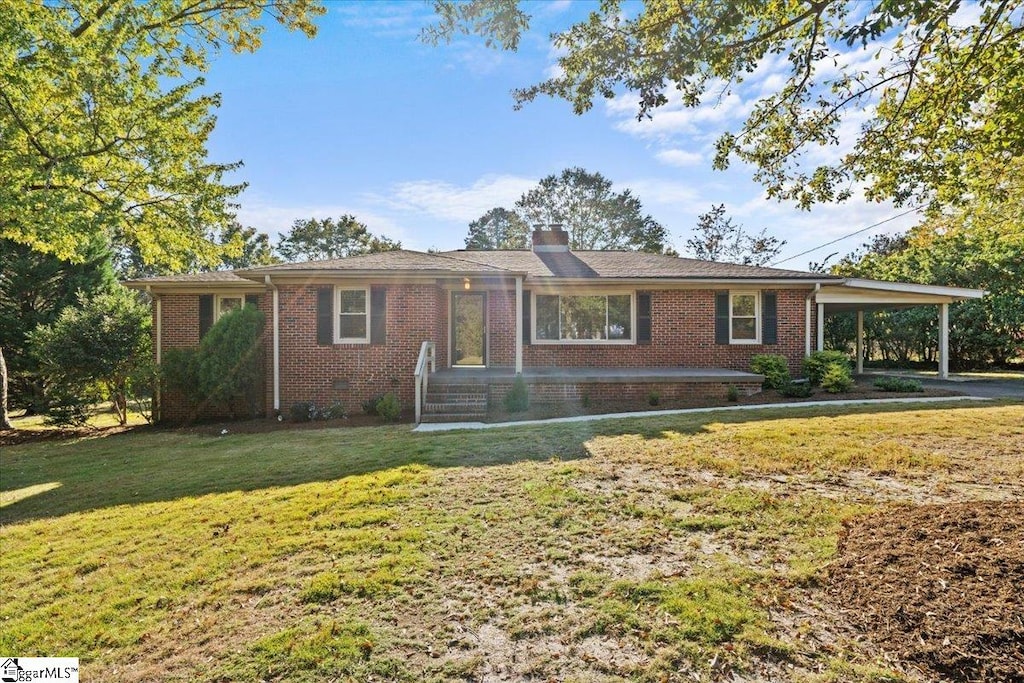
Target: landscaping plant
x,y
773,367
898,384
837,378
517,399
817,363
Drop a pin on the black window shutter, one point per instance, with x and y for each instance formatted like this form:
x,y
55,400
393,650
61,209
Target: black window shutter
x,y
325,316
205,314
378,315
643,318
526,317
770,318
252,300
721,317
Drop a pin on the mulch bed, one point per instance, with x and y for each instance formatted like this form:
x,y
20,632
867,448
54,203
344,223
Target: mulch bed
x,y
16,437
940,587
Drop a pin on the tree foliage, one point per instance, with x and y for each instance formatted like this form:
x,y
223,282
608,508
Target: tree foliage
x,y
982,248
230,367
105,122
585,205
34,289
238,247
321,239
718,238
940,98
498,229
100,343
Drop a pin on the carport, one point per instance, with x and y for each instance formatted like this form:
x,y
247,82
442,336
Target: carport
x,y
855,294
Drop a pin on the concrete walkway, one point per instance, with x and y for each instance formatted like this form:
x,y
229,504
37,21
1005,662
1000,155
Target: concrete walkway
x,y
449,426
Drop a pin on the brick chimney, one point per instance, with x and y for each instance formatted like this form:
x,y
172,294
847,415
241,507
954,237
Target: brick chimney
x,y
552,239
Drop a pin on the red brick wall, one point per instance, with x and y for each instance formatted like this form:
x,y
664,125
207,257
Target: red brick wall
x,y
683,335
351,373
180,330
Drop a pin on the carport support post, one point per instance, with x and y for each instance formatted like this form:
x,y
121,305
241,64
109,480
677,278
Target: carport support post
x,y
860,341
943,341
821,327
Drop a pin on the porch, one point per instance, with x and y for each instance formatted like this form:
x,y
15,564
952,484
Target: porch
x,y
468,393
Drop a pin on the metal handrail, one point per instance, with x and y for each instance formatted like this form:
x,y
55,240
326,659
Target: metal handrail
x,y
426,358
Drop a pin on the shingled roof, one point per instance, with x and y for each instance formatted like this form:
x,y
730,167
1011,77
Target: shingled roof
x,y
400,260
573,265
624,264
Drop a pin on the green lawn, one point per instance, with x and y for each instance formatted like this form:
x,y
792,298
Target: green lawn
x,y
646,549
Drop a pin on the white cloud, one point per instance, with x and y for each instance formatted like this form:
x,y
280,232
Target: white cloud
x,y
447,201
675,118
385,19
679,157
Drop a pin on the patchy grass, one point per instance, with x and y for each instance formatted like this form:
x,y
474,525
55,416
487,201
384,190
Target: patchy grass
x,y
649,549
101,416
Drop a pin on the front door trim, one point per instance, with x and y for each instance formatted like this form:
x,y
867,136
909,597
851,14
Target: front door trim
x,y
452,345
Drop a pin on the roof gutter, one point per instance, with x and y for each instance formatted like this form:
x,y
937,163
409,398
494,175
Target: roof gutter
x,y
807,318
158,343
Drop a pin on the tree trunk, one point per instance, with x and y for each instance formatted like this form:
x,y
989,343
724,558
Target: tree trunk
x,y
5,419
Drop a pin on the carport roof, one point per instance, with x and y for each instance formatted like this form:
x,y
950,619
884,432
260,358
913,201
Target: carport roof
x,y
862,294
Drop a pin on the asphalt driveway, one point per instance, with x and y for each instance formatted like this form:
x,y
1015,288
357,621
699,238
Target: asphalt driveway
x,y
967,384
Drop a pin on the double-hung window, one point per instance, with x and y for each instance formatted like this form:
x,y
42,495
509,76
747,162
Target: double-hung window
x,y
744,314
225,304
353,319
583,318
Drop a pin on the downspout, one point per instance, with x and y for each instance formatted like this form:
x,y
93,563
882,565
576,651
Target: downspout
x,y
807,319
158,342
275,306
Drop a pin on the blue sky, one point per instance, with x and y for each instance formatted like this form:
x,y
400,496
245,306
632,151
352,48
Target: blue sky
x,y
417,141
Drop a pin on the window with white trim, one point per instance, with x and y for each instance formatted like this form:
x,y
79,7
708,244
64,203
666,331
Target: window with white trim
x,y
583,318
744,318
352,322
226,304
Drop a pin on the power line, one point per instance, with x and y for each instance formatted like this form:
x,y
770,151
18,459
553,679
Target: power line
x,y
856,232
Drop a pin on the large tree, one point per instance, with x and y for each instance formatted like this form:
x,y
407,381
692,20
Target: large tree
x,y
105,123
238,246
941,95
499,228
718,238
585,205
320,239
34,289
95,349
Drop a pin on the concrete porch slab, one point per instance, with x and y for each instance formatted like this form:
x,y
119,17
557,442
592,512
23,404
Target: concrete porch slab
x,y
559,375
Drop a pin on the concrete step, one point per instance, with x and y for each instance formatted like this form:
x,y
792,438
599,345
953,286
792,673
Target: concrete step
x,y
455,407
452,417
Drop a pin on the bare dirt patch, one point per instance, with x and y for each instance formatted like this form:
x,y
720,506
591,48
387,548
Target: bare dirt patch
x,y
939,586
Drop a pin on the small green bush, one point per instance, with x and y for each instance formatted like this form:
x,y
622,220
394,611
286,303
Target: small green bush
x,y
773,367
370,404
653,398
301,411
732,394
388,407
898,384
68,407
837,378
797,390
518,397
817,363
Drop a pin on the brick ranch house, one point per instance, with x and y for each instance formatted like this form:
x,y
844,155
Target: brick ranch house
x,y
448,332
